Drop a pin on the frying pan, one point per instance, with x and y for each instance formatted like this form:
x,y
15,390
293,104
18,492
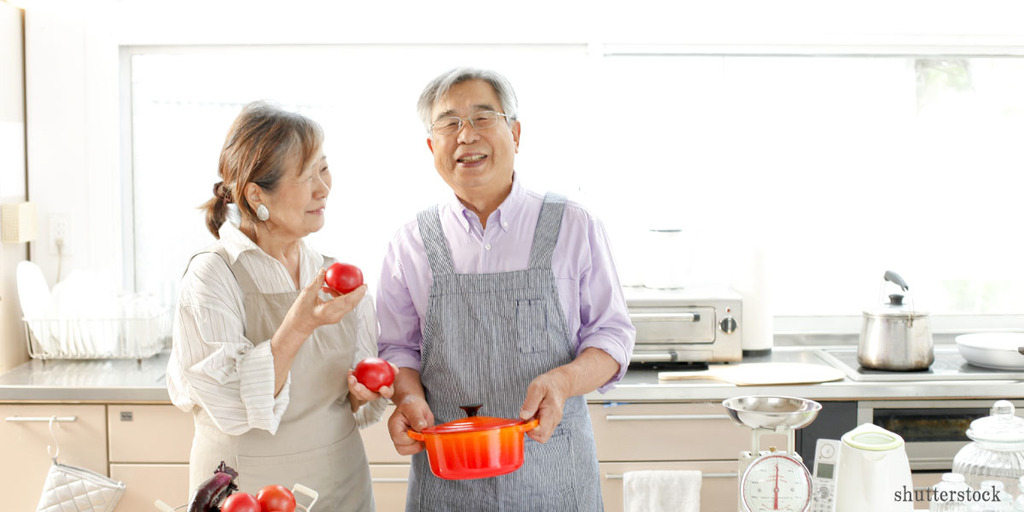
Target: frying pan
x,y
760,374
997,350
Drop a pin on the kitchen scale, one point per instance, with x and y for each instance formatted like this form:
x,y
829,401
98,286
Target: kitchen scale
x,y
772,479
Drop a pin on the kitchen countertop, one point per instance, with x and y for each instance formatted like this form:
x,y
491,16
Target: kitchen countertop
x,y
132,381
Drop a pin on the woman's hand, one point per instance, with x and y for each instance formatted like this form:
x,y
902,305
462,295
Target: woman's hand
x,y
362,394
308,312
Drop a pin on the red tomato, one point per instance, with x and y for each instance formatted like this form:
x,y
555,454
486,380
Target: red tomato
x,y
374,373
276,498
240,502
343,278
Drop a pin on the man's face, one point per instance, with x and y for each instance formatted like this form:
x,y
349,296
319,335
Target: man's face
x,y
475,163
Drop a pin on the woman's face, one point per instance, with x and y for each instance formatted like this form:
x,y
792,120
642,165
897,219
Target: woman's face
x,y
297,203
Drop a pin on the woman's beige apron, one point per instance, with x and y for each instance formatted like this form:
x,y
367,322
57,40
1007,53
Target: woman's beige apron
x,y
317,443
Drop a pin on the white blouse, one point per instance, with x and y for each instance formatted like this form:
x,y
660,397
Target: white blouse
x,y
214,366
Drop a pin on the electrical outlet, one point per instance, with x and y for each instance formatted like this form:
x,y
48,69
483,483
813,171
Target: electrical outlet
x,y
60,229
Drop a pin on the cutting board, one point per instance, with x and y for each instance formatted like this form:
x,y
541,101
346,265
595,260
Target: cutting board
x,y
760,374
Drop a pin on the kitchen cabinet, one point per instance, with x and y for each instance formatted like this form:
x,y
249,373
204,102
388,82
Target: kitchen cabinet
x,y
149,449
388,470
144,446
669,436
24,435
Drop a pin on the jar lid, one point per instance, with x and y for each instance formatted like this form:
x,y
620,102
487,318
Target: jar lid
x,y
472,424
1003,426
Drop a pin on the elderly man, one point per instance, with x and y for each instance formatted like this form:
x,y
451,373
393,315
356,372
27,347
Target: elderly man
x,y
502,297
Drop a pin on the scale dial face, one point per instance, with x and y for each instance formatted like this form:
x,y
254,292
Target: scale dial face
x,y
776,482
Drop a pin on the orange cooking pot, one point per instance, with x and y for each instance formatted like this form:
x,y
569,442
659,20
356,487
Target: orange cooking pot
x,y
474,447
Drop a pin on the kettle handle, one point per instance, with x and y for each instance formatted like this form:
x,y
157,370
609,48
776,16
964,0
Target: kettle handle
x,y
893,277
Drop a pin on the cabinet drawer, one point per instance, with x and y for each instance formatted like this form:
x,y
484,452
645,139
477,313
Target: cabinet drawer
x,y
377,441
718,485
149,433
649,432
24,436
145,483
390,483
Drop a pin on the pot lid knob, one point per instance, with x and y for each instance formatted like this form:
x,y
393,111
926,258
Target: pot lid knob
x,y
471,409
896,299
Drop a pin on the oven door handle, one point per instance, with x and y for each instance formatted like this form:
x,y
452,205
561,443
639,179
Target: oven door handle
x,y
666,317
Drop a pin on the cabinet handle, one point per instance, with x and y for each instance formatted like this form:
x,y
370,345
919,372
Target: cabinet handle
x,y
390,480
40,419
662,417
618,476
666,317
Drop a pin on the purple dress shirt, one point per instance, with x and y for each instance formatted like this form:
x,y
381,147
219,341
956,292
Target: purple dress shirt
x,y
588,284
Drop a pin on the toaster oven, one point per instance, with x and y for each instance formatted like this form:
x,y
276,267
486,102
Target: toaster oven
x,y
686,325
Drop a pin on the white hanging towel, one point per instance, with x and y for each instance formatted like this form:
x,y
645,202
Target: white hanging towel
x,y
661,491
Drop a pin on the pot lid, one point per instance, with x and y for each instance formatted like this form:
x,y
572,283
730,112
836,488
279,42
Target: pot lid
x,y
1003,426
472,422
872,438
895,308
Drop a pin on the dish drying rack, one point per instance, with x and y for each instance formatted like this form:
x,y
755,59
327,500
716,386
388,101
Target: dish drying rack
x,y
136,337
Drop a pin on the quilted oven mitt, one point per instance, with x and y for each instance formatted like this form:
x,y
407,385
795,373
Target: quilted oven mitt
x,y
72,489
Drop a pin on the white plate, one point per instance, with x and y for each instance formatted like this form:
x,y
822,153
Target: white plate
x,y
998,350
34,296
33,292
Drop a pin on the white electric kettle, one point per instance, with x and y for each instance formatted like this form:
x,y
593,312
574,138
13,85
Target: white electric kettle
x,y
873,472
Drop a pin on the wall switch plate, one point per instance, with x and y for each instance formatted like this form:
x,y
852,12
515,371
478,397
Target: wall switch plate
x,y
60,229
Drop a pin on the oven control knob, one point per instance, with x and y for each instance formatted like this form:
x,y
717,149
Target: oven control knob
x,y
728,325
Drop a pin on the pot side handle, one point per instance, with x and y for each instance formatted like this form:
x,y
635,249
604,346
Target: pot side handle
x,y
415,435
529,425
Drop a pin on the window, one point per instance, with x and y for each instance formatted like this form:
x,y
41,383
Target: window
x,y
834,167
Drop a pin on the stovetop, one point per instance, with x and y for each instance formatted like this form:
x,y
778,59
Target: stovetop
x,y
948,365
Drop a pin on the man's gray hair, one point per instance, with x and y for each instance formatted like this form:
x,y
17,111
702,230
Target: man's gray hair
x,y
439,86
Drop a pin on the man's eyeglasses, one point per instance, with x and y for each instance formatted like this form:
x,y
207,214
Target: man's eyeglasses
x,y
451,125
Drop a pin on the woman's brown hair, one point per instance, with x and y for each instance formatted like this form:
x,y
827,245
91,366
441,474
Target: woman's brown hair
x,y
259,146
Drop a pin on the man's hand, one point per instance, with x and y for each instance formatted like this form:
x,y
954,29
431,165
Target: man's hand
x,y
545,398
546,395
411,412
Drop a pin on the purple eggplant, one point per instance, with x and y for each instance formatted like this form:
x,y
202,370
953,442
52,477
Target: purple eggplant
x,y
212,492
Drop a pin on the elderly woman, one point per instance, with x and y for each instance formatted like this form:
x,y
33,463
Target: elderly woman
x,y
261,356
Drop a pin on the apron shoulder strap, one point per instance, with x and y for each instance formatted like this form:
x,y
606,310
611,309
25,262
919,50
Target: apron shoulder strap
x,y
438,255
242,276
549,223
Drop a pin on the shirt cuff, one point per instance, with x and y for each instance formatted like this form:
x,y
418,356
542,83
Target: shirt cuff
x,y
257,377
371,412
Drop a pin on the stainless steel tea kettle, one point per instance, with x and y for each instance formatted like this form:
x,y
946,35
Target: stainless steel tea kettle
x,y
894,335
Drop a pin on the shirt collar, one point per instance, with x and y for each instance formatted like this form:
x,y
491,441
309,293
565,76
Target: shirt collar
x,y
234,241
506,211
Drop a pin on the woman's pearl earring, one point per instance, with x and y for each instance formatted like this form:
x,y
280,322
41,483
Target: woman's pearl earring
x,y
262,213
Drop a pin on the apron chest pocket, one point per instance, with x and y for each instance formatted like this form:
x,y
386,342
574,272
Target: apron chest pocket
x,y
532,325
